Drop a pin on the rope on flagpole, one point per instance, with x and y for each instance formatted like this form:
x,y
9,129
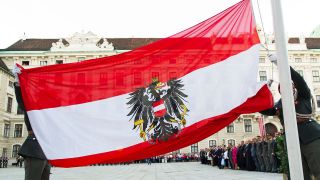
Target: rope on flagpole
x,y
265,46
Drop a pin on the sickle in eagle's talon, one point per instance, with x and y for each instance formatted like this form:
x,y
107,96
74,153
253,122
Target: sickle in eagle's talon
x,y
143,135
183,122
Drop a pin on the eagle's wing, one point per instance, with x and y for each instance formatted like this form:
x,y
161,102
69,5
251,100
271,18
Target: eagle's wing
x,y
141,109
175,98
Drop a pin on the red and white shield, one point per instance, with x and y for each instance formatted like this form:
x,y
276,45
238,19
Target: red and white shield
x,y
159,108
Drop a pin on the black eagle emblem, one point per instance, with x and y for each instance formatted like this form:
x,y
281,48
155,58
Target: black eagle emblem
x,y
158,110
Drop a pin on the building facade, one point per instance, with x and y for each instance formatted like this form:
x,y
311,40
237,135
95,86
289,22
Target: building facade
x,y
13,131
304,56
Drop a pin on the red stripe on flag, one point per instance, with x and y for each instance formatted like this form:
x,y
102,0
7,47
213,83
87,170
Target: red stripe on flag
x,y
211,41
188,136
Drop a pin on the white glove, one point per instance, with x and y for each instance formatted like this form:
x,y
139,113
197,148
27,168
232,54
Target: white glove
x,y
273,58
16,70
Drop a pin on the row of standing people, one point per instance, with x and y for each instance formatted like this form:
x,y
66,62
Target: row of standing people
x,y
257,154
4,162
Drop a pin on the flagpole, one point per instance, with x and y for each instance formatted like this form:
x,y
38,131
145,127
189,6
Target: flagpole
x,y
291,132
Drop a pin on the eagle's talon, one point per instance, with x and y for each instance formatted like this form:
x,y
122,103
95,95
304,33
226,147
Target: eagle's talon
x,y
183,122
143,135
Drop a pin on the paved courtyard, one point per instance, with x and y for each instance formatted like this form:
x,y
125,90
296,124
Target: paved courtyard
x,y
161,171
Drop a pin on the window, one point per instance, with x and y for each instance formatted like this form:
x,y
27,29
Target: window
x,y
263,75
315,75
43,63
155,60
172,75
298,60
232,142
212,143
262,60
9,105
103,78
17,130
119,79
15,150
4,152
25,63
194,148
6,132
318,100
247,125
10,84
137,78
230,128
81,78
300,72
59,61
313,60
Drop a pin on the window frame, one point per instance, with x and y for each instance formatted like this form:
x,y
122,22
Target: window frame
x,y
9,104
6,130
232,140
315,76
17,133
15,150
228,128
247,127
212,143
44,63
194,147
263,76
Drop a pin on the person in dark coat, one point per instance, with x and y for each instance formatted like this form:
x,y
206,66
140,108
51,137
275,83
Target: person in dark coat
x,y
241,156
248,158
274,164
259,153
265,154
36,164
254,154
308,128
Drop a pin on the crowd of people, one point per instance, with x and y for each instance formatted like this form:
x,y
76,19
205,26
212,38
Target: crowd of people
x,y
256,154
4,162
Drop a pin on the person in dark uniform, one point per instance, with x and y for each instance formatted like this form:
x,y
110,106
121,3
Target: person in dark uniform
x,y
35,162
308,128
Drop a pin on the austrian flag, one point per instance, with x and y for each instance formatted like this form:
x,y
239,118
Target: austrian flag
x,y
149,101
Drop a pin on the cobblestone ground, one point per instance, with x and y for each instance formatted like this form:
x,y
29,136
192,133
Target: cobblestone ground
x,y
161,171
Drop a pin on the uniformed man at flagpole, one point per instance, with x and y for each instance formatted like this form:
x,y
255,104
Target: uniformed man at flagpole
x,y
308,128
35,162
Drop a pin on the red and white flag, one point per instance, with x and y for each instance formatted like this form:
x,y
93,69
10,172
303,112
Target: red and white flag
x,y
102,110
262,126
